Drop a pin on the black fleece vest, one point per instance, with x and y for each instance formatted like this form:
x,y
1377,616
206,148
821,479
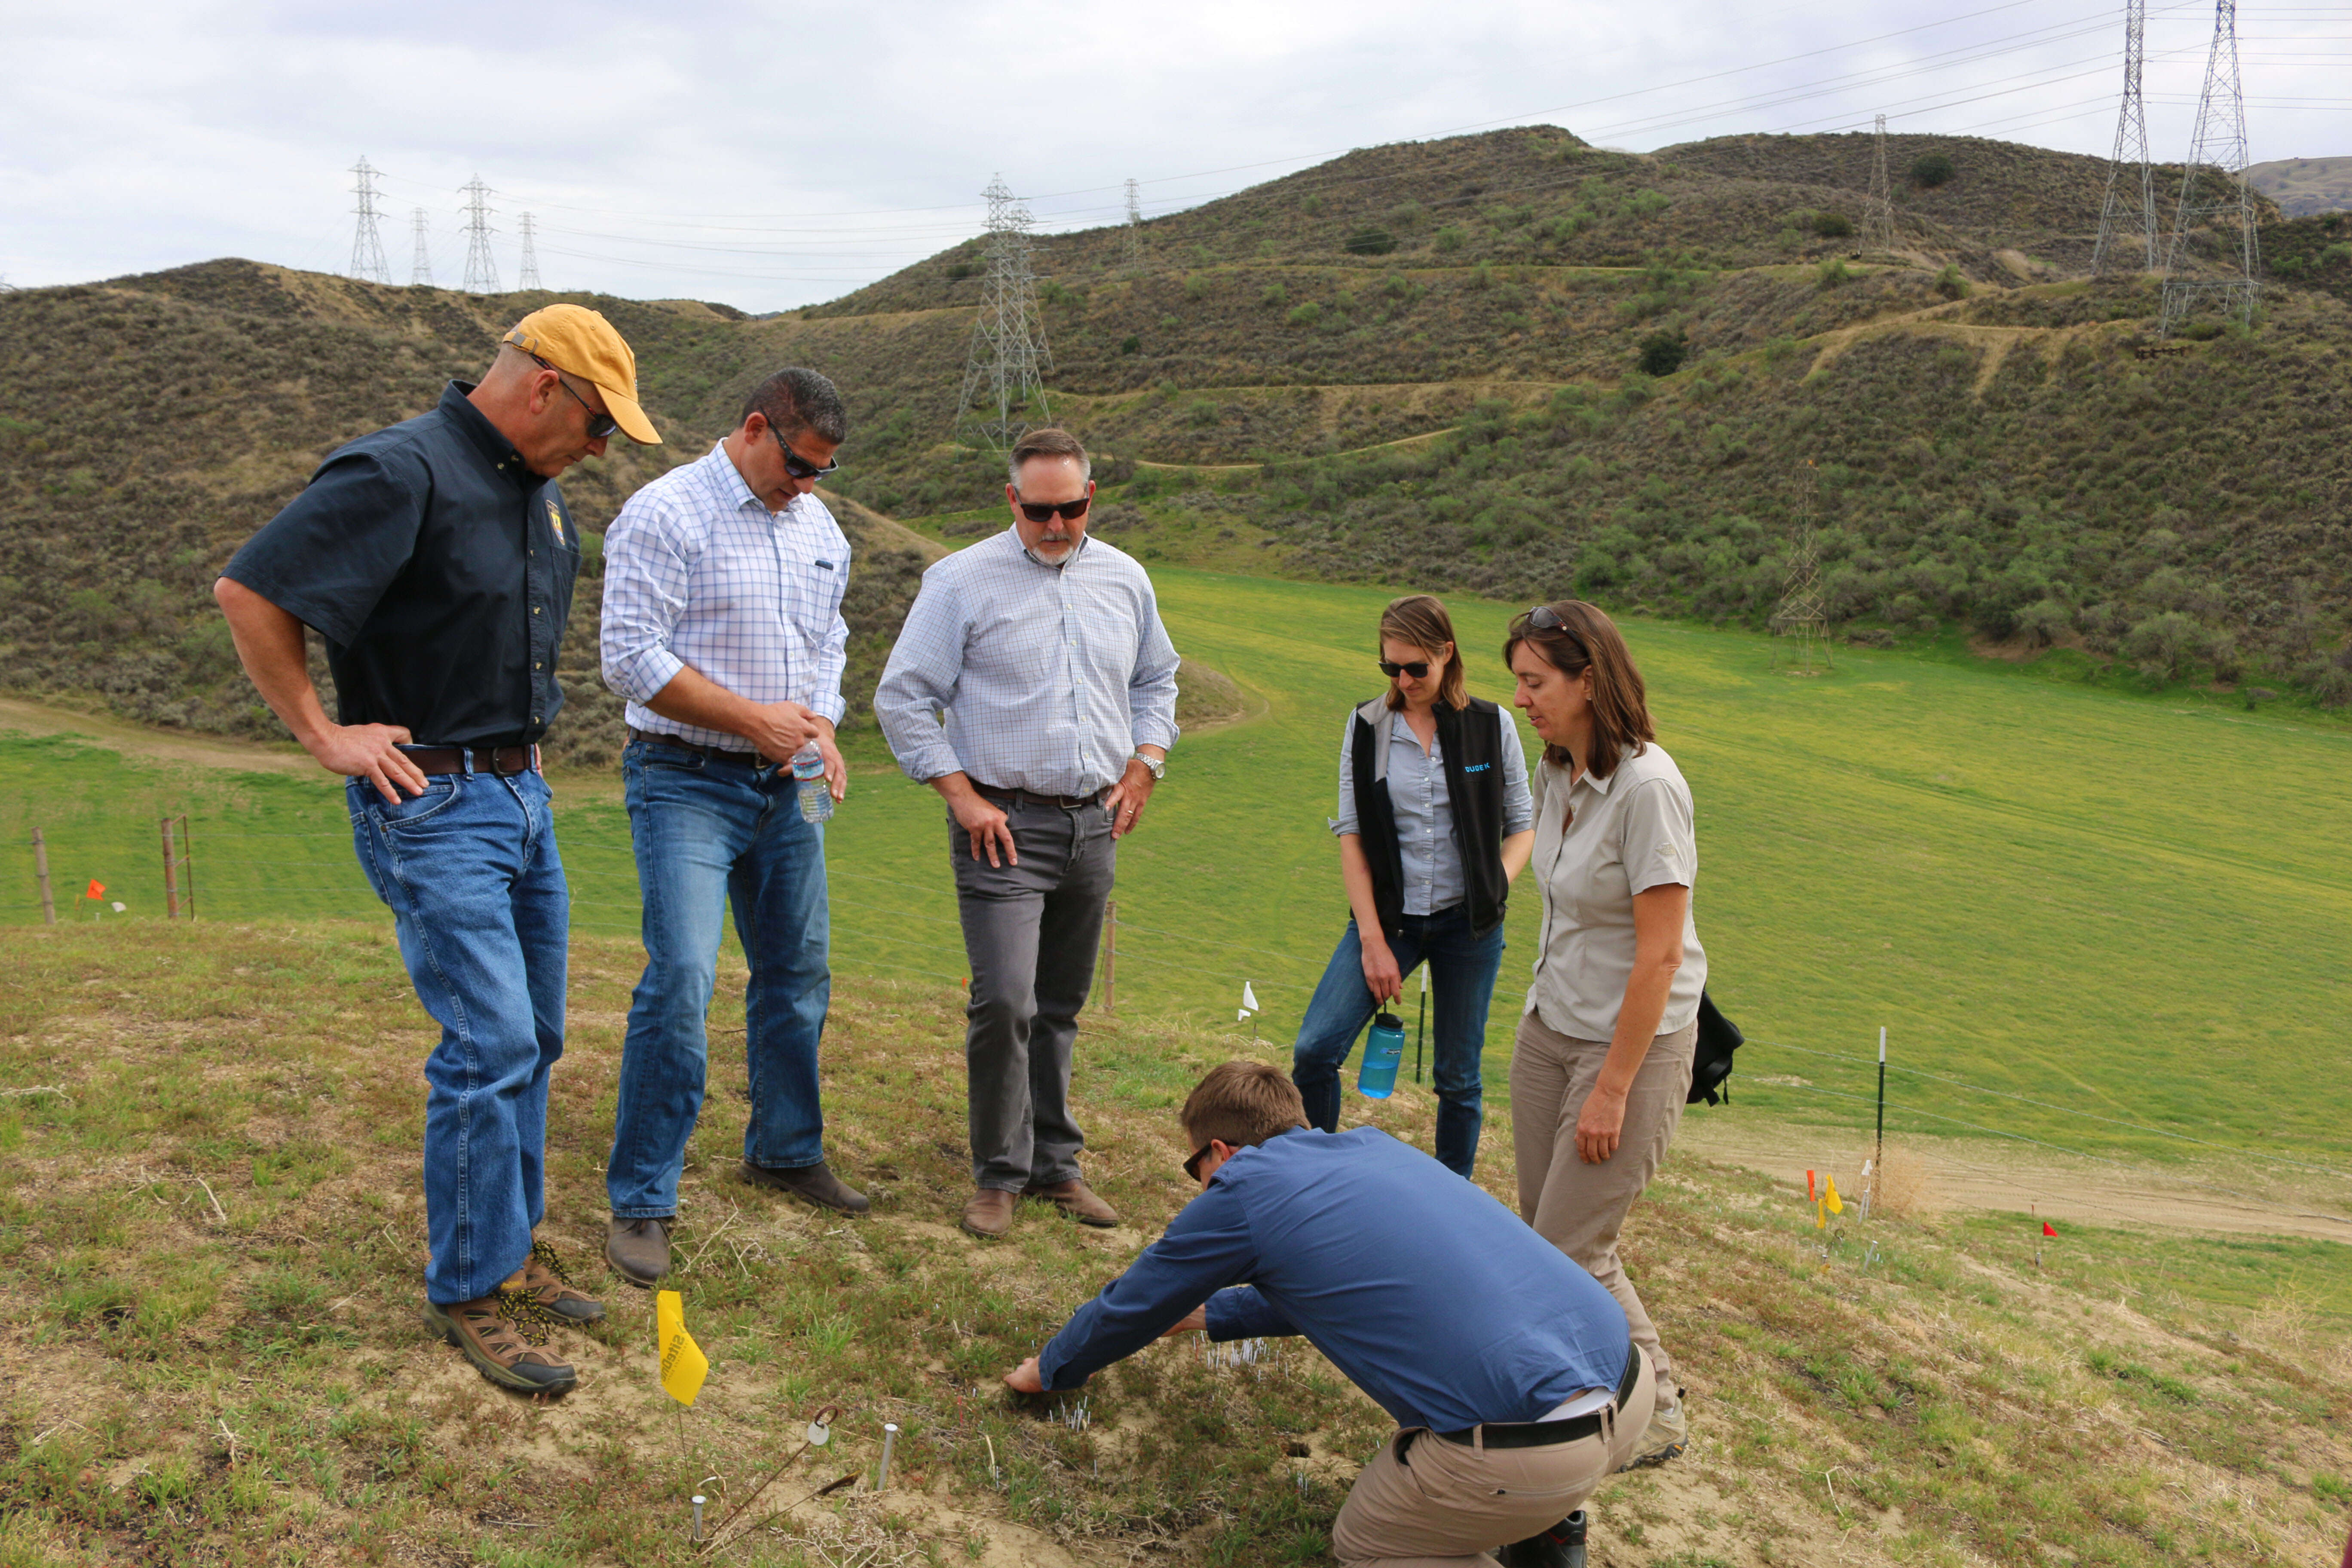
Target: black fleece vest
x,y
1472,740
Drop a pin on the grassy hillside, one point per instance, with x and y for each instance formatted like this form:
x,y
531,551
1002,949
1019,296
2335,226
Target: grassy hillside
x,y
1993,866
209,1234
2303,186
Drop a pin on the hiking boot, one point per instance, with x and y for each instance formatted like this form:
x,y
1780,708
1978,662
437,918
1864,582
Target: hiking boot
x,y
1562,1546
990,1212
500,1333
546,1281
812,1184
1668,1435
638,1249
1075,1199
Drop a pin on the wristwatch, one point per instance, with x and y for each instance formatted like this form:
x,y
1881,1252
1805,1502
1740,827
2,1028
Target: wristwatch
x,y
1158,765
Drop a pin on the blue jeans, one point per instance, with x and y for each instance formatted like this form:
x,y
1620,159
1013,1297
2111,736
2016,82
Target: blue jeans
x,y
711,834
1462,973
470,871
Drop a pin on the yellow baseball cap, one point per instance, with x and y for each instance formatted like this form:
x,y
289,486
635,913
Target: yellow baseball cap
x,y
576,339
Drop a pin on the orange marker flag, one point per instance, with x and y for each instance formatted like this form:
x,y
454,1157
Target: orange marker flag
x,y
97,889
1808,1186
2049,1230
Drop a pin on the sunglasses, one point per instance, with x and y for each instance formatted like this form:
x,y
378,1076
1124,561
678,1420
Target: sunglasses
x,y
1193,1165
599,424
1068,510
800,468
1417,668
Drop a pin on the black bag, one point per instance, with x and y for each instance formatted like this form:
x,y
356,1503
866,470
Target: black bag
x,y
1718,1037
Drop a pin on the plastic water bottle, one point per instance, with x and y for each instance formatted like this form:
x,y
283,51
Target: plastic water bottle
x,y
808,774
1383,1049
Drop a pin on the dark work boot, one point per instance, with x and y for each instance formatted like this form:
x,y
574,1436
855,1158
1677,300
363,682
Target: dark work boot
x,y
815,1184
1562,1546
638,1249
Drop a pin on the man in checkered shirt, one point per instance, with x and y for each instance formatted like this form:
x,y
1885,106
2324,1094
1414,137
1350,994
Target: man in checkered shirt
x,y
1034,688
723,582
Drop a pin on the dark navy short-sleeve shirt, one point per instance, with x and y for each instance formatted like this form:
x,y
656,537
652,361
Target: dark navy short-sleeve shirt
x,y
440,570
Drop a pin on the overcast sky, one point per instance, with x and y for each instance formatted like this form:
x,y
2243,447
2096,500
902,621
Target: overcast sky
x,y
769,156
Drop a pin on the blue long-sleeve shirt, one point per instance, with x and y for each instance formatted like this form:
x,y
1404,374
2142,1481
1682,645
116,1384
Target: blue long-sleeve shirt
x,y
1433,1298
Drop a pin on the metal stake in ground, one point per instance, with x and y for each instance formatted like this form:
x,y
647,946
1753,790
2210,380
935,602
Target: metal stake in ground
x,y
889,1441
41,871
1879,1166
170,877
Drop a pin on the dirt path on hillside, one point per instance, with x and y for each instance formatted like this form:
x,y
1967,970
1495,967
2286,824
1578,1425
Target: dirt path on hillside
x,y
2247,1198
161,745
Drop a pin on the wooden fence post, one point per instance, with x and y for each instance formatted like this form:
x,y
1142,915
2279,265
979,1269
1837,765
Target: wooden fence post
x,y
41,870
170,877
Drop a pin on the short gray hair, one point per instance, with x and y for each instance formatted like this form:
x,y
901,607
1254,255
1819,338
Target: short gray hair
x,y
1046,441
795,399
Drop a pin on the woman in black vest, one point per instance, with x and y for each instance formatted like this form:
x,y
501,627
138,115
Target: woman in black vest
x,y
1434,821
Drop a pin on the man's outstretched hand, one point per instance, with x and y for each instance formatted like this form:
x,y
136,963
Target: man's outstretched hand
x,y
1024,1379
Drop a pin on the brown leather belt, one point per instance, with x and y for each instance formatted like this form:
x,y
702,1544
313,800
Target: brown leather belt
x,y
503,760
716,754
1027,797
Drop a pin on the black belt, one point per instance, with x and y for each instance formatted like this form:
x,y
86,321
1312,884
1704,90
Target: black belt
x,y
1029,797
716,754
1542,1434
504,761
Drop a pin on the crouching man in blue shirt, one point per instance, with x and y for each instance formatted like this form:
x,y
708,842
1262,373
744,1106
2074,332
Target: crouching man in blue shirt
x,y
1514,1382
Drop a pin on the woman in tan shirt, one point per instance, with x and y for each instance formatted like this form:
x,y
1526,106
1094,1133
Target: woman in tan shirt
x,y
1601,1063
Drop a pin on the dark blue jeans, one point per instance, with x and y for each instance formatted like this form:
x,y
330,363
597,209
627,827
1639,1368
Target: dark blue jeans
x,y
1462,974
711,834
470,871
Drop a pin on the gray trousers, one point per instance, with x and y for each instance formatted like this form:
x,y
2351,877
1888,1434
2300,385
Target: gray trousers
x,y
1030,933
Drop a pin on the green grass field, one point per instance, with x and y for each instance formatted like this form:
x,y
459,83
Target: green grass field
x,y
2129,908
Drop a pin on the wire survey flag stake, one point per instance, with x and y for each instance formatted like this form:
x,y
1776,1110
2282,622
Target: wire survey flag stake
x,y
683,1364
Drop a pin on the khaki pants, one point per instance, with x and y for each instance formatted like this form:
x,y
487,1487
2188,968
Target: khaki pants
x,y
1576,1207
1424,1502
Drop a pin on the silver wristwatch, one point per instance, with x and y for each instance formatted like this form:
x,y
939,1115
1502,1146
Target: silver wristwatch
x,y
1158,765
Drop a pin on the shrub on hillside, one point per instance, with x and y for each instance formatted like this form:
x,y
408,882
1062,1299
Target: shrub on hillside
x,y
1930,169
1370,242
1834,272
1832,225
1950,284
1449,237
1663,353
1306,315
2167,646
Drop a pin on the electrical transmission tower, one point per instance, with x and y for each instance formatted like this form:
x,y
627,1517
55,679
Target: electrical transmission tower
x,y
420,259
2127,222
1878,223
1801,613
367,243
2214,193
481,267
1008,341
530,280
1134,227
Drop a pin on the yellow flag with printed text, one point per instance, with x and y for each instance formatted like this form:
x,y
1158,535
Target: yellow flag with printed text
x,y
683,1364
1835,1206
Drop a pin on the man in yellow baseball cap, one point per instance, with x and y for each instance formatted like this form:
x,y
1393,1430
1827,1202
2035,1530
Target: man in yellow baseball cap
x,y
437,559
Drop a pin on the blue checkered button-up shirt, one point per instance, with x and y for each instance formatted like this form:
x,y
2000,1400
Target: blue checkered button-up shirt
x,y
699,571
1048,677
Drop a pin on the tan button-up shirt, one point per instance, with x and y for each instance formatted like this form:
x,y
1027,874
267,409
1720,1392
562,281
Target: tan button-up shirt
x,y
1629,832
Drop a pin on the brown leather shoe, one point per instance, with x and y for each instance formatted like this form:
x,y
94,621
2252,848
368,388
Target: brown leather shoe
x,y
500,1333
990,1212
1078,1200
638,1249
546,1281
812,1184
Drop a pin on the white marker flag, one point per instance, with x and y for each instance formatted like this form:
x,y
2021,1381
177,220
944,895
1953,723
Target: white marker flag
x,y
1249,998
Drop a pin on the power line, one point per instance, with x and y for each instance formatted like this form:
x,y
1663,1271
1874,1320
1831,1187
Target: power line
x,y
420,261
2119,216
367,242
529,281
481,266
1008,340
2218,149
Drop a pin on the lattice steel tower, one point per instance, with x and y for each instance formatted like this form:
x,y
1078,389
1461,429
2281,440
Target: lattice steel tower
x,y
2127,222
2214,193
1134,227
1801,613
481,266
1878,222
367,243
1003,378
420,261
530,280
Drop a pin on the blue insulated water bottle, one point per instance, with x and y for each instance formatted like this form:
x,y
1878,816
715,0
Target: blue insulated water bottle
x,y
1383,1049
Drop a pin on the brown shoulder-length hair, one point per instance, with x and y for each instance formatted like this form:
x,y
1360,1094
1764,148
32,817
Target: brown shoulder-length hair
x,y
1588,639
1422,621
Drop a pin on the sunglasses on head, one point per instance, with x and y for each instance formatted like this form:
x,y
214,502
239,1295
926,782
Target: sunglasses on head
x,y
599,424
1417,668
800,468
1068,510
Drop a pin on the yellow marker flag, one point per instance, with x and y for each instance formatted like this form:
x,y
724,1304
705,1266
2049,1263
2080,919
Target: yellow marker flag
x,y
1835,1206
1821,1220
683,1364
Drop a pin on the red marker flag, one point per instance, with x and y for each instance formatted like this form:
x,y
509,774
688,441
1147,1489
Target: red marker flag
x,y
1810,1195
2049,1230
96,888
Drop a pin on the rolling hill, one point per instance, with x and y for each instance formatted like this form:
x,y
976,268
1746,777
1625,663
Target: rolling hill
x,y
1422,361
2305,186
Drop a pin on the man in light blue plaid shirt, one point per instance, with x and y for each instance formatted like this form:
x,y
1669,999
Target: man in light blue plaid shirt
x,y
723,581
1034,688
